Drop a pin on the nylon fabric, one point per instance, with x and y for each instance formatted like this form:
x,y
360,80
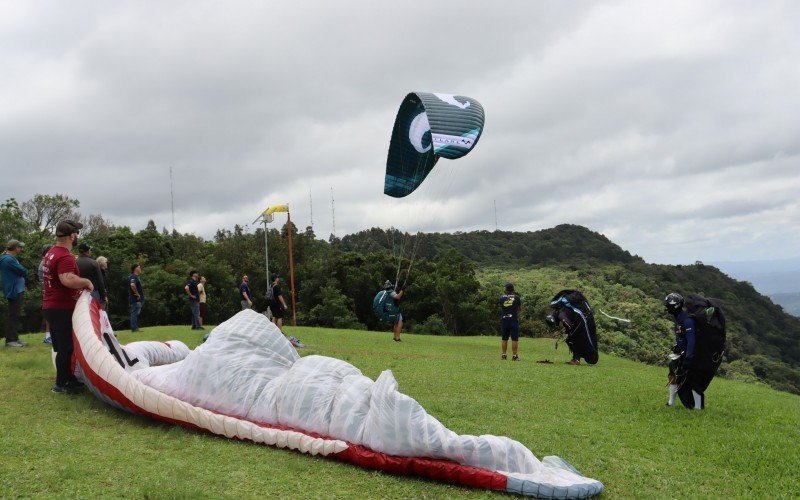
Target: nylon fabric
x,y
248,382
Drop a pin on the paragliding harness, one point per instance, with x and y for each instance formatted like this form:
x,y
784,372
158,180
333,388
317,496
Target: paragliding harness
x,y
385,307
710,338
582,337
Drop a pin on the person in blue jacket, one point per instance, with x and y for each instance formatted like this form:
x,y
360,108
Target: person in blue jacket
x,y
13,274
684,349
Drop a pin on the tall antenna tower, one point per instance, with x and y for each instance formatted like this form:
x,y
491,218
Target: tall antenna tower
x,y
495,215
311,208
333,213
172,198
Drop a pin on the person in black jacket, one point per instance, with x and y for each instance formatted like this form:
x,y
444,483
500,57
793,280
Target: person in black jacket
x,y
90,269
510,307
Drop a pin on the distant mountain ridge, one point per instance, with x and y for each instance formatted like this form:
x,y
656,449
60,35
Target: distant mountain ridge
x,y
764,340
789,301
767,276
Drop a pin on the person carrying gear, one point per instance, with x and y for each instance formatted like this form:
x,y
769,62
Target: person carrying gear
x,y
572,311
386,306
699,327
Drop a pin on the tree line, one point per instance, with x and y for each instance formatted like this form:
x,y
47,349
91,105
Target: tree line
x,y
453,285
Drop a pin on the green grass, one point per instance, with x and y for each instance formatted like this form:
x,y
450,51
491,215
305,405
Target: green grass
x,y
608,420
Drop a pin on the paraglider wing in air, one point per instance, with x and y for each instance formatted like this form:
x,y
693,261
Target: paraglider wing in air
x,y
429,126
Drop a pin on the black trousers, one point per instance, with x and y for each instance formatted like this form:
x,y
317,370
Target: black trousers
x,y
12,320
61,332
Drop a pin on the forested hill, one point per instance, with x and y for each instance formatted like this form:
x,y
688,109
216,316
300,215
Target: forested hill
x,y
563,244
764,340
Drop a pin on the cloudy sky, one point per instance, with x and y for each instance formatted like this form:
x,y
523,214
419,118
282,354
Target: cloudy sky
x,y
671,127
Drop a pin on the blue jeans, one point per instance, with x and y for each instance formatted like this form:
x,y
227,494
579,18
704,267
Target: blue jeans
x,y
194,306
136,308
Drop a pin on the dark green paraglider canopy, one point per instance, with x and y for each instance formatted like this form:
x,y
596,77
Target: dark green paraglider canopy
x,y
429,126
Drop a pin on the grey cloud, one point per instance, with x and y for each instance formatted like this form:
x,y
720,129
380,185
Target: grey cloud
x,y
591,118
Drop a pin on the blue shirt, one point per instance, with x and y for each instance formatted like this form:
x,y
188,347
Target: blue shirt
x,y
193,291
138,283
510,304
13,274
244,289
685,333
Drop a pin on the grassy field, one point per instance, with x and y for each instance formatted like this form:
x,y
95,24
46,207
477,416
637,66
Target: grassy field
x,y
608,420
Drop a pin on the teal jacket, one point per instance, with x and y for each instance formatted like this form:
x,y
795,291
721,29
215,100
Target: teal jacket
x,y
13,274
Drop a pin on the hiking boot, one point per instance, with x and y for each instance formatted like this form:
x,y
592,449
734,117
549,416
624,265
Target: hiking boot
x,y
515,358
15,343
574,362
503,357
67,389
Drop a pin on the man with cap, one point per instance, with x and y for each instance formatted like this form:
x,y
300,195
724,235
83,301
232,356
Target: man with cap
x,y
90,269
13,274
277,304
510,307
62,287
244,293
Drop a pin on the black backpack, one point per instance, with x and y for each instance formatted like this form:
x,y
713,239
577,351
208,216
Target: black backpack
x,y
711,333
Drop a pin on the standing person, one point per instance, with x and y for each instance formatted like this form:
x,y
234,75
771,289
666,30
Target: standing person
x,y
386,305
277,304
103,263
135,295
90,269
40,273
510,307
13,274
194,300
62,286
201,287
244,293
684,349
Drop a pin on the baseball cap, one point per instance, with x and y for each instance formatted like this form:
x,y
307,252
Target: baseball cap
x,y
67,227
12,244
84,247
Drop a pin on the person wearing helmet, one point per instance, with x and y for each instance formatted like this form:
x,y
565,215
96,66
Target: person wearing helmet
x,y
395,296
683,351
510,307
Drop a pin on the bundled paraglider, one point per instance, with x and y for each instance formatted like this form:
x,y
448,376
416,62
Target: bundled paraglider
x,y
247,382
572,311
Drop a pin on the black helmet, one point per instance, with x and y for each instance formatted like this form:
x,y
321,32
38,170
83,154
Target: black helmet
x,y
509,287
674,303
